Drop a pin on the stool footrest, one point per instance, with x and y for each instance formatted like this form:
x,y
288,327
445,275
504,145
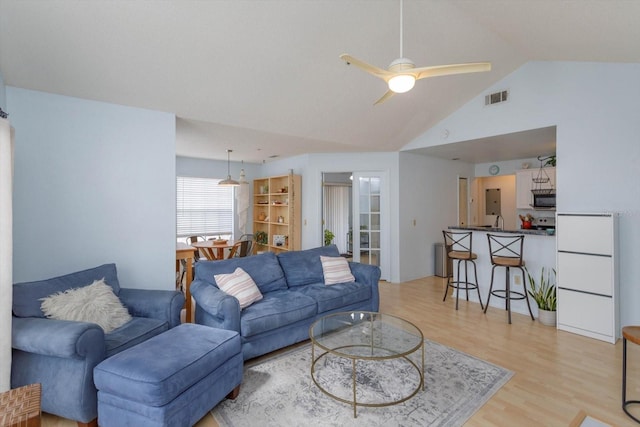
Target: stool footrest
x,y
463,285
501,293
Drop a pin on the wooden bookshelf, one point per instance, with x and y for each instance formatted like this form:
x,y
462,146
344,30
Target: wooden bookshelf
x,y
277,212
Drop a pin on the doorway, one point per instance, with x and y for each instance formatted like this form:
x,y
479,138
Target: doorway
x,y
337,211
463,204
355,210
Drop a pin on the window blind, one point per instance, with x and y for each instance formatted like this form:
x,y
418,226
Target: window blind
x,y
203,207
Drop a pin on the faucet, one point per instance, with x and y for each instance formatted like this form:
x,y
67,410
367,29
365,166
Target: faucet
x,y
497,224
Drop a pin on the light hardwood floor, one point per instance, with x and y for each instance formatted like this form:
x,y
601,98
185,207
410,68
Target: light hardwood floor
x,y
557,374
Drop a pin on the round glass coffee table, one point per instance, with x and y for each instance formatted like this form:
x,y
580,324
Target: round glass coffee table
x,y
366,336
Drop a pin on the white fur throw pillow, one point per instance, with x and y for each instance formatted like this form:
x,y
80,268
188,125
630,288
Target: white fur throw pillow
x,y
95,303
336,270
239,285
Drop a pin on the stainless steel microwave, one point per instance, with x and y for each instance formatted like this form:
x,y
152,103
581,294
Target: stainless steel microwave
x,y
544,201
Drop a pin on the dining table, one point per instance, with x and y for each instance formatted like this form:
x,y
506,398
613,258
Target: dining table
x,y
186,253
213,250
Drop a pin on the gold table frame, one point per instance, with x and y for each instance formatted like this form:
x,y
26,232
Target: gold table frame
x,y
343,352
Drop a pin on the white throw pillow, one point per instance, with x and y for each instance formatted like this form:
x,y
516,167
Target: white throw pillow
x,y
95,303
336,270
239,285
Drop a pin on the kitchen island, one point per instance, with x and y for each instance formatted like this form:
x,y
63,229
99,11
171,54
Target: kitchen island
x,y
539,251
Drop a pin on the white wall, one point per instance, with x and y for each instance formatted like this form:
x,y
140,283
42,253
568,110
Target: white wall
x,y
428,194
6,253
94,183
595,107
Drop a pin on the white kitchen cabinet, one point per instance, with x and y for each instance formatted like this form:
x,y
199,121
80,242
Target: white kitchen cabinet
x,y
524,185
587,275
524,199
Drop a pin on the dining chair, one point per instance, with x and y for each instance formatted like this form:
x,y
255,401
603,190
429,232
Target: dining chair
x,y
239,249
252,245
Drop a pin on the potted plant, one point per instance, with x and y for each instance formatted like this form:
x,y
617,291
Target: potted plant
x,y
544,294
328,237
262,237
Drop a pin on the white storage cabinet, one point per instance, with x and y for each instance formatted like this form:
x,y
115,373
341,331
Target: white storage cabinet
x,y
587,282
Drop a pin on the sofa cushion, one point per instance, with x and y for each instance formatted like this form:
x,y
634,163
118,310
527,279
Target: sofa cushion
x,y
264,269
95,303
275,310
336,270
138,330
240,286
336,296
27,295
304,267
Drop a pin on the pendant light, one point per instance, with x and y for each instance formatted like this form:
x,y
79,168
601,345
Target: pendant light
x,y
229,182
243,178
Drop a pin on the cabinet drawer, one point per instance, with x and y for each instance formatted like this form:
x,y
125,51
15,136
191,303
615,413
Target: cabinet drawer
x,y
585,233
587,273
590,313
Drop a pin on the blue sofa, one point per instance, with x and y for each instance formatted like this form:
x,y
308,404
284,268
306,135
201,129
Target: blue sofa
x,y
294,296
61,354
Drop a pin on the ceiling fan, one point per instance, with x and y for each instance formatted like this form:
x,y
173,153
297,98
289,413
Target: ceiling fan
x,y
402,73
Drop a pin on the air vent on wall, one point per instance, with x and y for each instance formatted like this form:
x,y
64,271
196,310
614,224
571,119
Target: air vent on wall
x,y
496,97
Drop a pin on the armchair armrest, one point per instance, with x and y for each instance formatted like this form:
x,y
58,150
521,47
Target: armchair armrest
x,y
155,304
365,273
59,338
369,274
214,307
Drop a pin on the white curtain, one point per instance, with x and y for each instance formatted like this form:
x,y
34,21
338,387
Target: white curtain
x,y
242,199
6,252
336,214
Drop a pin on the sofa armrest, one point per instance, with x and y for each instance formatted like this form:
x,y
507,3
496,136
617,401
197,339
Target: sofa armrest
x,y
59,338
152,303
368,274
214,307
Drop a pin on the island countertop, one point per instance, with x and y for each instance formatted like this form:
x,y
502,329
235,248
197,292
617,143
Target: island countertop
x,y
529,231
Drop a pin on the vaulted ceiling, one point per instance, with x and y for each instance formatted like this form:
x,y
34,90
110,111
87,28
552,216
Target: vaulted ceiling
x,y
264,78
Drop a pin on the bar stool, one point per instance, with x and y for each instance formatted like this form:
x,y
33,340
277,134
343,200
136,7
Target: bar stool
x,y
631,333
506,251
458,247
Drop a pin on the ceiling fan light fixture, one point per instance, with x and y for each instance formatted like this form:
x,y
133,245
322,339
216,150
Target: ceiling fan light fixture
x,y
401,83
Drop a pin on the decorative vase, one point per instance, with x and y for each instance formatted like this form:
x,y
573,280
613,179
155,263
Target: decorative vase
x,y
547,317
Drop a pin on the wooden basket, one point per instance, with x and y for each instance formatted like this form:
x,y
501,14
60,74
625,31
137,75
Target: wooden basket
x,y
20,407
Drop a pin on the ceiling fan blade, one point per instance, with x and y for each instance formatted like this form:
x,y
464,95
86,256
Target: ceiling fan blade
x,y
388,94
371,69
446,70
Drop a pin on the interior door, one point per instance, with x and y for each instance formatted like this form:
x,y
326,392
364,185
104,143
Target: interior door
x,y
370,220
463,212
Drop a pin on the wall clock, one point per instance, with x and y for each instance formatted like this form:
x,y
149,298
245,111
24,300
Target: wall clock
x,y
494,169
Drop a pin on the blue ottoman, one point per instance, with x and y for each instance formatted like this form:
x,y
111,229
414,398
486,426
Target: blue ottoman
x,y
170,380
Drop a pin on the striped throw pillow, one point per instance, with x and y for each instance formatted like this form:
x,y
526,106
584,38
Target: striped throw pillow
x,y
336,270
239,285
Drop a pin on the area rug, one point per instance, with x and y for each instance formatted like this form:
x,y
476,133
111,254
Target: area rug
x,y
279,391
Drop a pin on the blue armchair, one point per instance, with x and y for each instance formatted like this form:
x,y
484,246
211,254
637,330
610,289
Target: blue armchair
x,y
61,354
